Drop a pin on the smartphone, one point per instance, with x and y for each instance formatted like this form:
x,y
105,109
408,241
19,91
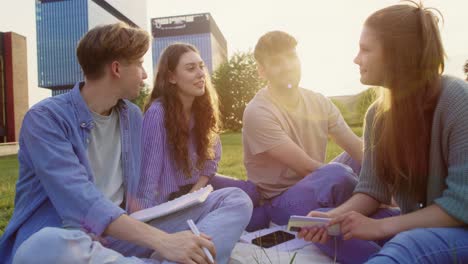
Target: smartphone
x,y
273,239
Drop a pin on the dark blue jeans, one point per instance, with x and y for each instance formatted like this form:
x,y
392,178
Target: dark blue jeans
x,y
422,245
328,186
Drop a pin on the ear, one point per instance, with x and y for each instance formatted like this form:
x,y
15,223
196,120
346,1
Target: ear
x,y
261,71
115,69
171,78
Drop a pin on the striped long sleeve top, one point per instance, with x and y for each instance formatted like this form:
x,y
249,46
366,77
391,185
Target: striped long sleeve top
x,y
160,175
448,169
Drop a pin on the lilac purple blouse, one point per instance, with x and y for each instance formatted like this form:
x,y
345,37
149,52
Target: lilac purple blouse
x,y
160,175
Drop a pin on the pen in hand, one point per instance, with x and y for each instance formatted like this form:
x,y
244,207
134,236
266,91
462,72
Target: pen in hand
x,y
196,232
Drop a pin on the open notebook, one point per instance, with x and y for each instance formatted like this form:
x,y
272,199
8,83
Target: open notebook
x,y
175,205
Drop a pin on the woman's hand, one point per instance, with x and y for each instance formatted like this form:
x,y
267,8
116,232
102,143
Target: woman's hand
x,y
202,182
315,234
352,225
356,225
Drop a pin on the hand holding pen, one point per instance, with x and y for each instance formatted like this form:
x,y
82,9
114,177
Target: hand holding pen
x,y
184,247
196,232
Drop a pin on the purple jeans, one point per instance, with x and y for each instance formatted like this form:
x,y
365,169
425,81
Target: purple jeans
x,y
328,186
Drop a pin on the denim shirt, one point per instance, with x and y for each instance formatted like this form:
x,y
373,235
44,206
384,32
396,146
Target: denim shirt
x,y
56,186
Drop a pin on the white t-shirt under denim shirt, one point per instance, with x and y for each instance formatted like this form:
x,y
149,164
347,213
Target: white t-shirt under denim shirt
x,y
104,153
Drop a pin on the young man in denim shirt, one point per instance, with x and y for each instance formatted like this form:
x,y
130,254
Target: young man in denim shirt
x,y
79,168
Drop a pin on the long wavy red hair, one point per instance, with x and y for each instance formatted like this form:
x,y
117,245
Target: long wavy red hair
x,y
205,109
414,61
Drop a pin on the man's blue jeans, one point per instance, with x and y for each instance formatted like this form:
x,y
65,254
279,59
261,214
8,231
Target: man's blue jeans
x,y
223,216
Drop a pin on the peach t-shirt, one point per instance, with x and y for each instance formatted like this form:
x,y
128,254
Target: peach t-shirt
x,y
268,124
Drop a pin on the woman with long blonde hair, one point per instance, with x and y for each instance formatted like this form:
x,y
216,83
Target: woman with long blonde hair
x,y
416,150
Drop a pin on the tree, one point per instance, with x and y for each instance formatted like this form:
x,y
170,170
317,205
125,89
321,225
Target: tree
x,y
236,82
141,99
344,110
365,99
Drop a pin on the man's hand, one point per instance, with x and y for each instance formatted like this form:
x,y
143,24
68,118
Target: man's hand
x,y
185,247
181,247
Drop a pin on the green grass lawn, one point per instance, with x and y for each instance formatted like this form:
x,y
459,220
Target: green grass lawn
x,y
231,164
8,176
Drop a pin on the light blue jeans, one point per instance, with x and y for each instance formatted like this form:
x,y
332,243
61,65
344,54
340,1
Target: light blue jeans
x,y
425,245
223,216
421,245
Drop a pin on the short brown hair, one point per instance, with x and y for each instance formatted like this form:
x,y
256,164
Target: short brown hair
x,y
272,43
106,43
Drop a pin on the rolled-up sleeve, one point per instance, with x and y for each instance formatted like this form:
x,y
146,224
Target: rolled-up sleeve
x,y
64,178
211,166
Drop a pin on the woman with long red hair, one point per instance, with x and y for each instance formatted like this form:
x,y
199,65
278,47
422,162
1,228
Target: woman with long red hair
x,y
181,150
180,141
415,150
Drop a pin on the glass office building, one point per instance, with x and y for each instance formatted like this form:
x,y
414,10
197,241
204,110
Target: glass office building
x,y
60,24
199,30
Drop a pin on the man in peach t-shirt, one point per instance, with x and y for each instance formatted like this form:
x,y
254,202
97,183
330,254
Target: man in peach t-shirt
x,y
285,134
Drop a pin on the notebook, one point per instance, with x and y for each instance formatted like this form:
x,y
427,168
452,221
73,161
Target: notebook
x,y
180,203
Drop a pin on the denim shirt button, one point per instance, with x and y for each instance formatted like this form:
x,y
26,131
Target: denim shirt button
x,y
83,124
